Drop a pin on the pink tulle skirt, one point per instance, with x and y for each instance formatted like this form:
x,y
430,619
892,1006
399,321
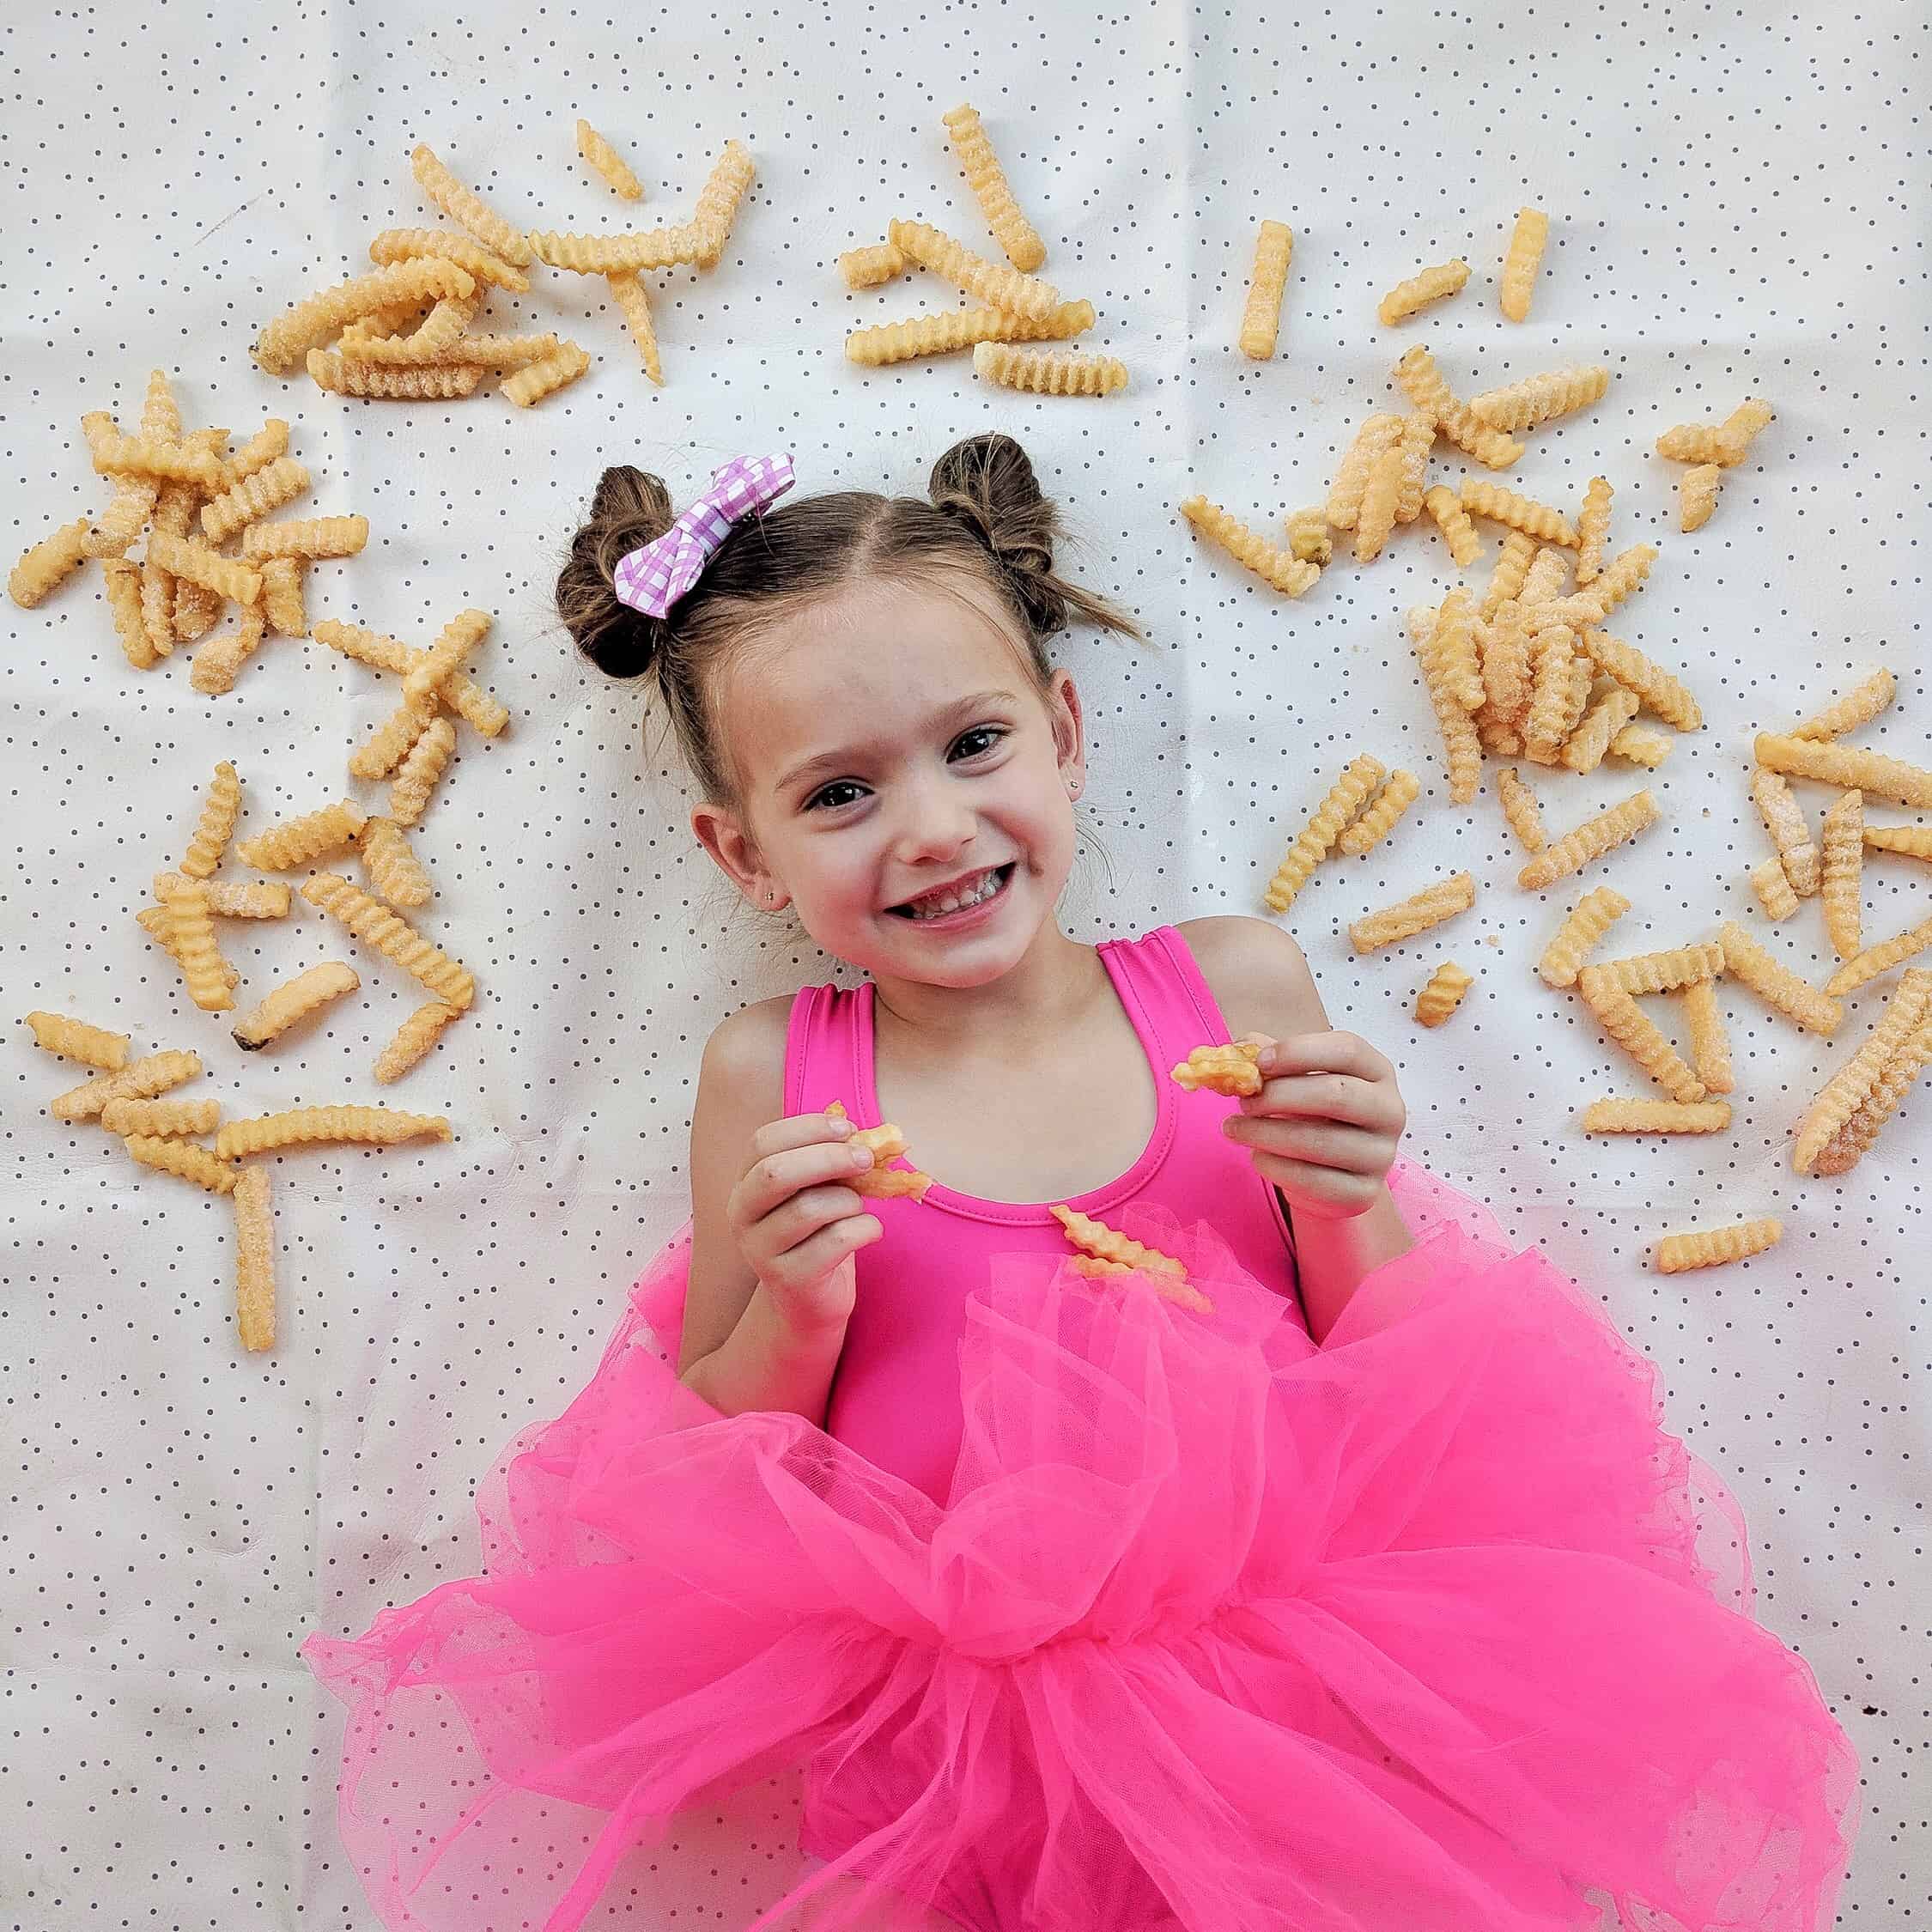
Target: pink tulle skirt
x,y
1430,1629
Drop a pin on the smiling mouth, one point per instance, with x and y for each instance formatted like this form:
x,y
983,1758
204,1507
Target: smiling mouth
x,y
991,884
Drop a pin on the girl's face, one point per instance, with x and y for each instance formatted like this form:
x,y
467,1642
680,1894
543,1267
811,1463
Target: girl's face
x,y
889,748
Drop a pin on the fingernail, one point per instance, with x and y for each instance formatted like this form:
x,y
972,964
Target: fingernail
x,y
861,1156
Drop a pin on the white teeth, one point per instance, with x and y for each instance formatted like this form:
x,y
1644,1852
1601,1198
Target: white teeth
x,y
971,895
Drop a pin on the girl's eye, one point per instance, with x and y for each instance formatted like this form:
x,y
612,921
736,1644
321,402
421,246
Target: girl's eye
x,y
826,801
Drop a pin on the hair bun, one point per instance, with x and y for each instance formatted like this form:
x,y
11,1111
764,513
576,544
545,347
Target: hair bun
x,y
989,482
629,509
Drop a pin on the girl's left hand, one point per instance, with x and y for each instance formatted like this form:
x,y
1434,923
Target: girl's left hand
x,y
1325,1126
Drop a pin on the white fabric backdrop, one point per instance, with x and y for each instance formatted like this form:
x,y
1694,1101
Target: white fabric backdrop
x,y
1739,203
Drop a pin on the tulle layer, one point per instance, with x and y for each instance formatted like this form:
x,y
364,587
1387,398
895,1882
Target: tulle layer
x,y
1430,1628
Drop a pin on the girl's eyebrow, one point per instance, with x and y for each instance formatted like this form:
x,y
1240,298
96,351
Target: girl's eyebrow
x,y
850,754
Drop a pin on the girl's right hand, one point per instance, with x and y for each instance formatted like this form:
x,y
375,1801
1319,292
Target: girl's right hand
x,y
796,1225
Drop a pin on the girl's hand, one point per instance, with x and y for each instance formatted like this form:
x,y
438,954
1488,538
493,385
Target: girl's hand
x,y
798,1224
1325,1126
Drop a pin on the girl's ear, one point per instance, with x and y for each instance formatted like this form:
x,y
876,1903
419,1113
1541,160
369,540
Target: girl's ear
x,y
720,834
1069,738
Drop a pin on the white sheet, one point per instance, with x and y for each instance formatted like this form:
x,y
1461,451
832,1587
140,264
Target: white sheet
x,y
1740,204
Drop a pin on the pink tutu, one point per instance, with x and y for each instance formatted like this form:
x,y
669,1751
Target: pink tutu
x,y
1430,1628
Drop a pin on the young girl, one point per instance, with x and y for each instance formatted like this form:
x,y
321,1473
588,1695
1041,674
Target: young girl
x,y
1348,1584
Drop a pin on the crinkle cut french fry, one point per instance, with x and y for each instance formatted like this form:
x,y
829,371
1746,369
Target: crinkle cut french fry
x,y
1376,433
1847,766
1880,958
1542,398
74,1039
166,1120
254,1259
1409,297
1854,1140
1260,321
1046,372
1343,799
1772,885
1417,913
414,1038
312,322
1775,983
376,924
1397,796
1790,832
1859,705
1592,529
1443,994
1841,881
1520,808
1228,1070
429,757
987,179
152,1074
1279,568
1626,1023
192,926
1656,1117
47,565
992,283
294,1000
1666,972
1710,1048
466,207
535,380
186,1159
378,1127
296,840
1093,1237
607,162
1589,842
1521,263
1706,1247
1592,916
1846,1091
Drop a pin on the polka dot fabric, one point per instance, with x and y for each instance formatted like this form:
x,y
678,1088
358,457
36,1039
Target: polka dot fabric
x,y
1738,203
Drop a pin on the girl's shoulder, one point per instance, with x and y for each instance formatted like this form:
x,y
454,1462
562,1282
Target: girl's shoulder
x,y
1256,972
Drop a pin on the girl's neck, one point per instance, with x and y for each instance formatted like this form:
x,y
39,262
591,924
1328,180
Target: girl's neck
x,y
1053,984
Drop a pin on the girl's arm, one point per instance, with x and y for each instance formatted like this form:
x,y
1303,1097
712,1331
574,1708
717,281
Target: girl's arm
x,y
739,1350
1326,1125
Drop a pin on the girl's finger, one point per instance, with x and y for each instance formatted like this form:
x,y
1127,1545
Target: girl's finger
x,y
1320,1143
1325,1189
1326,1053
1328,1097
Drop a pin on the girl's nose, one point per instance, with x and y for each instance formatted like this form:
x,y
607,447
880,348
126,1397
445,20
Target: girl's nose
x,y
934,822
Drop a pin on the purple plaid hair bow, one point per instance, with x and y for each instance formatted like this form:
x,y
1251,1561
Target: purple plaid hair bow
x,y
652,579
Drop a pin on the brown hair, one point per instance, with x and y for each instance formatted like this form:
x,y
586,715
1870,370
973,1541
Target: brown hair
x,y
987,521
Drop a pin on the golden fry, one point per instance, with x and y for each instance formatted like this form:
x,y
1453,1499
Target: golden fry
x,y
1859,705
378,1127
1707,1248
1589,842
1395,798
1541,398
1409,298
1711,1049
1377,434
342,376
1309,540
1228,1070
1592,916
996,285
1697,494
1772,885
1093,1237
869,268
1784,819
1656,690
143,1080
1665,972
1914,841
1845,765
376,924
466,207
529,385
294,1000
1641,745
165,1119
1592,529
185,902
1776,984
216,823
392,866
987,179
408,796
607,162
296,840
403,245
1656,1117
1520,808
311,322
312,537
1443,994
1380,496
258,495
1520,511
1626,1023
885,1143
1521,263
1880,958
414,1038
254,1259
1846,1091
1598,729
1511,572
186,1159
48,564
1462,753
1425,386
74,1039
628,293
1841,881
182,557
1045,372
1279,568
1415,914
1453,520
1344,798
1260,321
1853,1141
